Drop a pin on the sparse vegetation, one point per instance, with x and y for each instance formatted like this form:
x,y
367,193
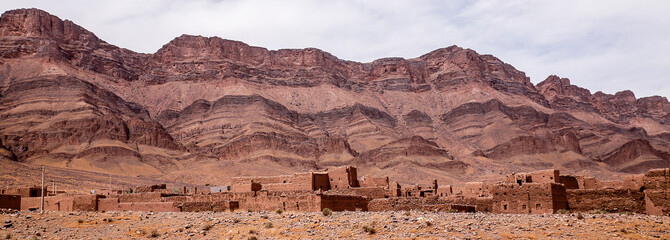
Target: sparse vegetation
x,y
236,220
154,234
264,217
580,216
80,221
429,224
626,213
599,212
279,211
407,213
327,212
252,238
8,236
562,211
207,227
251,231
369,230
269,225
206,184
451,210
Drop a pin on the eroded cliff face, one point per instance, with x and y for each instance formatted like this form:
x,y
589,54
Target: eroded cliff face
x,y
206,109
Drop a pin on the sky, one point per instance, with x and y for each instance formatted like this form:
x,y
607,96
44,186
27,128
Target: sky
x,y
606,46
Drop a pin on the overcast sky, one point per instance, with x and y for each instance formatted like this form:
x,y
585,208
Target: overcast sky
x,y
604,46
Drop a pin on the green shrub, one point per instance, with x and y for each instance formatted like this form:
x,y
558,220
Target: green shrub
x,y
369,230
562,211
580,216
429,223
269,225
252,238
279,211
327,212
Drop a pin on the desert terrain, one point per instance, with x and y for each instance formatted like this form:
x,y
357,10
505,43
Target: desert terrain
x,y
347,225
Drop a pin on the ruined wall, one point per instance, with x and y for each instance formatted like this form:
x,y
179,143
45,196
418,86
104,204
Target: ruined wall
x,y
610,184
611,200
545,176
152,188
634,182
26,192
657,179
142,197
425,204
288,201
444,191
10,202
657,202
534,198
343,177
343,202
586,182
518,178
367,192
475,189
65,203
382,182
215,206
570,182
245,187
321,181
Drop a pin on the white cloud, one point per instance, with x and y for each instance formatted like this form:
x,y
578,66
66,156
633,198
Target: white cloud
x,y
601,45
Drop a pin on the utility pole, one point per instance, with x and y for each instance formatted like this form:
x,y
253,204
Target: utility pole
x,y
42,191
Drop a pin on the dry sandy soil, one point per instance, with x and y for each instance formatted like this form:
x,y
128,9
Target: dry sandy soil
x,y
340,225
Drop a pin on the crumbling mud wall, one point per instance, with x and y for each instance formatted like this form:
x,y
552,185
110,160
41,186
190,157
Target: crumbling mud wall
x,y
343,202
425,204
533,198
657,191
611,200
66,203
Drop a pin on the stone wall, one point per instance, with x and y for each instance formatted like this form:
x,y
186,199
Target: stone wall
x,y
611,200
10,202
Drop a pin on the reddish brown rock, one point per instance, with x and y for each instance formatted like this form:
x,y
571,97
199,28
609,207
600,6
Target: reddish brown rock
x,y
209,105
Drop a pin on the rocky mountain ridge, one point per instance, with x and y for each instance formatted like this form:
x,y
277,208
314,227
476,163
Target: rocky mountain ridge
x,y
203,110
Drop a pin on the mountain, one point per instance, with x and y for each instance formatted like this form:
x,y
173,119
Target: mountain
x,y
202,110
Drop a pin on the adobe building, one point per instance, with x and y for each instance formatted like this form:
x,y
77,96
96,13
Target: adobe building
x,y
340,189
529,198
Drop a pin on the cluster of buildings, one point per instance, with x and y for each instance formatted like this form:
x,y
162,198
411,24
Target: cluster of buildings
x,y
340,189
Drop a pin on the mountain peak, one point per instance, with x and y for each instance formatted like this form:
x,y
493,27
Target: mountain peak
x,y
38,23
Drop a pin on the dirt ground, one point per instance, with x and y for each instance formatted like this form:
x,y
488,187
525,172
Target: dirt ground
x,y
339,225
